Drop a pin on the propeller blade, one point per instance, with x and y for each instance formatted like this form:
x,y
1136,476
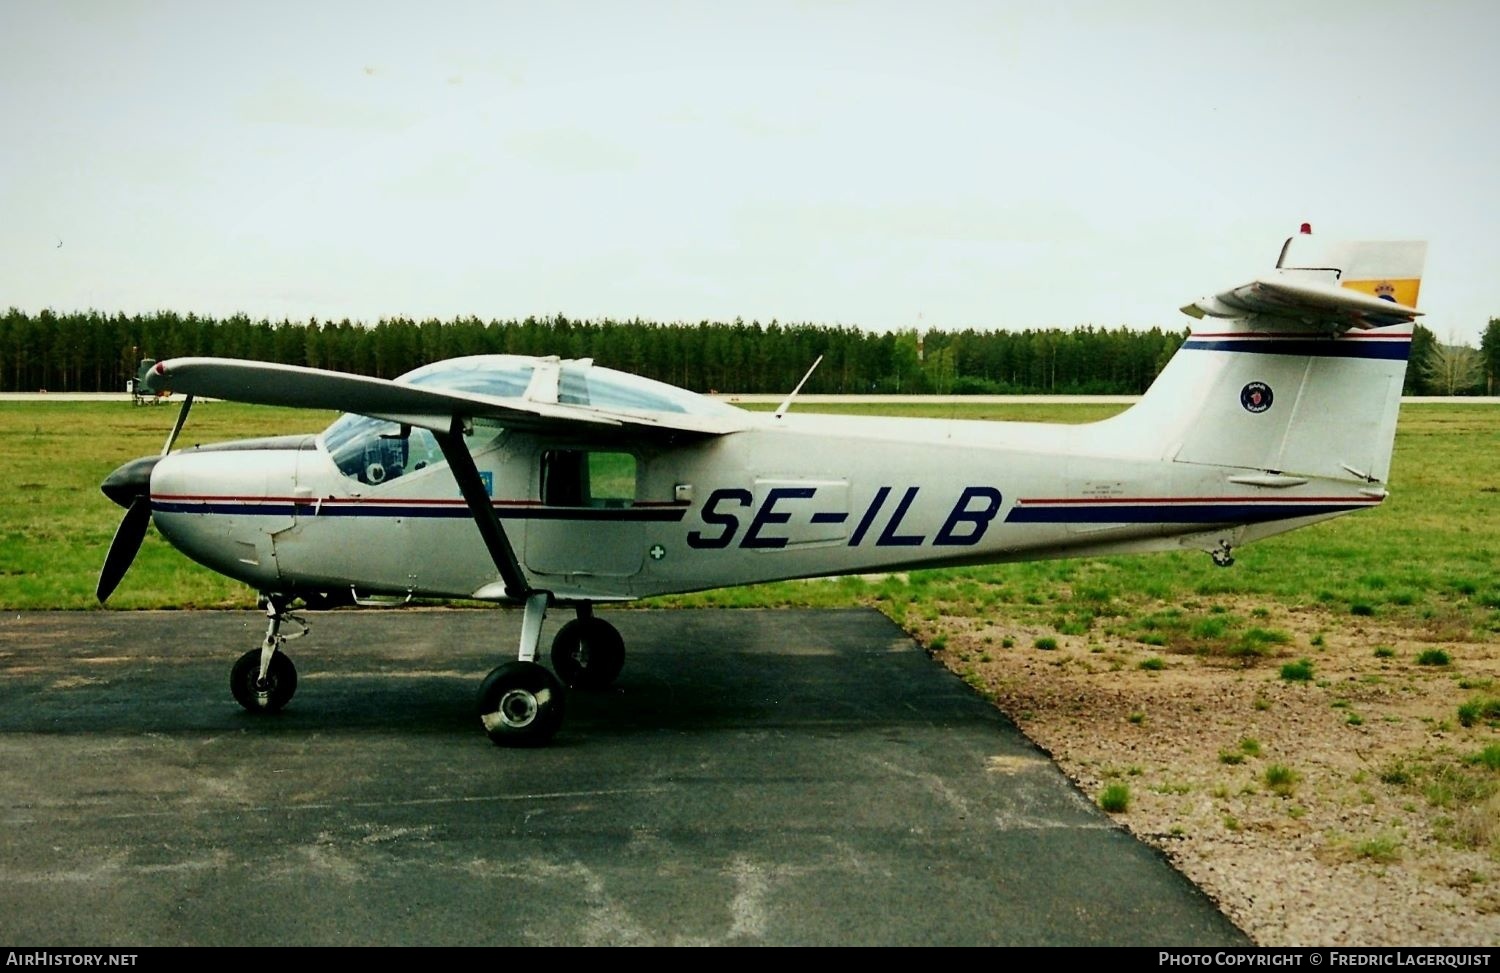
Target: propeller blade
x,y
123,548
187,404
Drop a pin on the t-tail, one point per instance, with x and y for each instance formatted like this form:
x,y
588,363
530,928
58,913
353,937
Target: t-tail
x,y
1296,374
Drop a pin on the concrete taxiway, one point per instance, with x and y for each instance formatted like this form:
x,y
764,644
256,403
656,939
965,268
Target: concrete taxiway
x,y
777,777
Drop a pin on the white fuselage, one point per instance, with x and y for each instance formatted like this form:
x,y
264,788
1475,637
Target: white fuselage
x,y
795,496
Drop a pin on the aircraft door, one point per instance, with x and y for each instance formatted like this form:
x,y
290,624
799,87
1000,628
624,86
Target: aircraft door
x,y
587,522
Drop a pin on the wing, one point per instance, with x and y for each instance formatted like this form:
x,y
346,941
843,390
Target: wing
x,y
264,383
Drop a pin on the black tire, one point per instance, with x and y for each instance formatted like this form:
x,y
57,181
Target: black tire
x,y
521,705
268,696
588,653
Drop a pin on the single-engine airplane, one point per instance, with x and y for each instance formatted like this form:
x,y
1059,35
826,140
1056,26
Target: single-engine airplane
x,y
551,483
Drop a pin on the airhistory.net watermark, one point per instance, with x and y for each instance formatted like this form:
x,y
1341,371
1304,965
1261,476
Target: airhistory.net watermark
x,y
52,957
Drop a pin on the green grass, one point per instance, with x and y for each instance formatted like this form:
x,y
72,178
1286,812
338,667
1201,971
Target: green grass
x,y
1429,557
1280,779
1489,757
1382,848
1433,657
1479,710
1299,671
1115,798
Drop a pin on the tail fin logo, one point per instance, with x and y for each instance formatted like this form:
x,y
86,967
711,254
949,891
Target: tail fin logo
x,y
1256,397
1386,291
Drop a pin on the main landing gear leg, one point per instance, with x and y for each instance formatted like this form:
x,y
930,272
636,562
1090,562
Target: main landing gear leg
x,y
521,703
588,652
264,679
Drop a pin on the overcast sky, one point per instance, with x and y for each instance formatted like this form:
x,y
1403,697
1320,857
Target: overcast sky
x,y
890,165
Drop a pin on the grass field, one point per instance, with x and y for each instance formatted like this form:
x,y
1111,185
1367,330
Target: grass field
x,y
1429,554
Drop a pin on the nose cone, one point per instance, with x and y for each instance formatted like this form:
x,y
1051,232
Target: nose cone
x,y
130,481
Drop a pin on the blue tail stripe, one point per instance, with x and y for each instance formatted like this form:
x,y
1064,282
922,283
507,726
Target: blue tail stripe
x,y
1324,348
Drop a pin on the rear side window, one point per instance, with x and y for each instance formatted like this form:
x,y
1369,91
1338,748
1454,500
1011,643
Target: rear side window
x,y
588,478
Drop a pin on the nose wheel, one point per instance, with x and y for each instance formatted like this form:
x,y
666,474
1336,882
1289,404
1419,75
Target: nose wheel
x,y
263,694
264,679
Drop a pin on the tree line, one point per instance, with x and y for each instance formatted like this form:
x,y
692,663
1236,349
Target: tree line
x,y
93,352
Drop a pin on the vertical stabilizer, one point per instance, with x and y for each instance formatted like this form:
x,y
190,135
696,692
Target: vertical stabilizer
x,y
1297,372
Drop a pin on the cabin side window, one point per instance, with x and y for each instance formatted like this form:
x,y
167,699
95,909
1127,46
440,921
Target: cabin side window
x,y
588,478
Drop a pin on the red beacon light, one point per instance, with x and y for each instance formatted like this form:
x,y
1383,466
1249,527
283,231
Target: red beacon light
x,y
1306,228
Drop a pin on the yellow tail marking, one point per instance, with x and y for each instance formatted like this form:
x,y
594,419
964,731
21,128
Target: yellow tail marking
x,y
1402,290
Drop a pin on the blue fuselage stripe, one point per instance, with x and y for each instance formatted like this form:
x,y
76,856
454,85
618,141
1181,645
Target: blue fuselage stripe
x,y
311,511
1220,513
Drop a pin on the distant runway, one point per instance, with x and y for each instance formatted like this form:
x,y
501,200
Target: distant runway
x,y
756,777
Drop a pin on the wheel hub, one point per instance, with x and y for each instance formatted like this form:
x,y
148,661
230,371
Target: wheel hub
x,y
518,708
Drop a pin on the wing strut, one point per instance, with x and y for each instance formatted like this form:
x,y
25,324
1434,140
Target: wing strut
x,y
461,462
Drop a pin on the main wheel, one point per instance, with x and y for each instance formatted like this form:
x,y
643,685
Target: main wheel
x,y
521,705
588,653
263,696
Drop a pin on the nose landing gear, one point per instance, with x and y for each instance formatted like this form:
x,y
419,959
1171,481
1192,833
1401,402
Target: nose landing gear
x,y
264,679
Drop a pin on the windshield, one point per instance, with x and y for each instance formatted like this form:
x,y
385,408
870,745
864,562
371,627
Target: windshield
x,y
375,451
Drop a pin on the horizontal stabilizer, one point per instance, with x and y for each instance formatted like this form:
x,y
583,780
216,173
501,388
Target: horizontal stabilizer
x,y
1304,299
265,383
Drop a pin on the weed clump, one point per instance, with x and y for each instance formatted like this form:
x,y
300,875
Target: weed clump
x,y
1433,657
1479,710
1115,798
1488,758
1281,779
1299,671
1382,848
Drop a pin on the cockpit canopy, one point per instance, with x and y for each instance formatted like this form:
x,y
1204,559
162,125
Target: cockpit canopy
x,y
375,450
581,383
